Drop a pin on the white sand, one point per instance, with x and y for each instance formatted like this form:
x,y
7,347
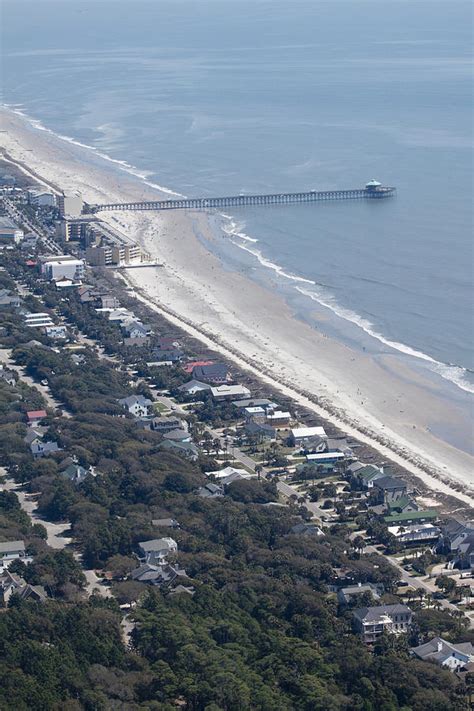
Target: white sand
x,y
380,401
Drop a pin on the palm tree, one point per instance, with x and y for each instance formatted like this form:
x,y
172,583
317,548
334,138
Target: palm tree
x,y
216,446
258,471
207,442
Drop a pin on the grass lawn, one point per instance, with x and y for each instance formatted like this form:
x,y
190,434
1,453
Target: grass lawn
x,y
160,407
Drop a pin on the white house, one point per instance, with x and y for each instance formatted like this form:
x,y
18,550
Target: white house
x,y
194,387
371,622
303,435
135,329
227,471
157,550
451,655
137,405
229,392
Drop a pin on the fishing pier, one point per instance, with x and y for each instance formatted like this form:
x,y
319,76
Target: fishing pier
x,y
373,191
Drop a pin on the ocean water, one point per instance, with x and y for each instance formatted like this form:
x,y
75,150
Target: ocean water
x,y
209,97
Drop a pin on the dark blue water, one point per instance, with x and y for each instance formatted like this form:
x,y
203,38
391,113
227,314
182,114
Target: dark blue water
x,y
222,97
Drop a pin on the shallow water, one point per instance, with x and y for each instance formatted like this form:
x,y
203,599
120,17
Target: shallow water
x,y
217,98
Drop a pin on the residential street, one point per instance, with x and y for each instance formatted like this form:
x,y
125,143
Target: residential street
x,y
56,538
5,359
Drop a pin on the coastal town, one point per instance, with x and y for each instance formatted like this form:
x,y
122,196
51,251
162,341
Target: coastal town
x,y
118,430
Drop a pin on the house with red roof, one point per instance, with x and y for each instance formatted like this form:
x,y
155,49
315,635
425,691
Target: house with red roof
x,y
35,416
189,367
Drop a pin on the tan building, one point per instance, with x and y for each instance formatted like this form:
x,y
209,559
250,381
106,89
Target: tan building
x,y
78,229
70,204
115,254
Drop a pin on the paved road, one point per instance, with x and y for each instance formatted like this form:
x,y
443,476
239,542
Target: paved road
x,y
415,582
19,217
237,453
5,358
56,538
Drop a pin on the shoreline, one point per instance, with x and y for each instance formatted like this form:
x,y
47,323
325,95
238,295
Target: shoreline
x,y
250,325
304,399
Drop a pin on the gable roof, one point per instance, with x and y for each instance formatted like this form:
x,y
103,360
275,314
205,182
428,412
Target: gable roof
x,y
193,384
402,502
216,371
438,649
36,414
368,472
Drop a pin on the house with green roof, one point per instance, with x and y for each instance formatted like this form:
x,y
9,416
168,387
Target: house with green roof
x,y
409,517
402,505
367,475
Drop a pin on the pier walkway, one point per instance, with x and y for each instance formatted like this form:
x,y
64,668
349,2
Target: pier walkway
x,y
372,190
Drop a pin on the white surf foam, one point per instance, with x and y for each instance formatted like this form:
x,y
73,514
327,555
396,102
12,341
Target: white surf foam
x,y
454,373
449,371
275,267
122,164
235,229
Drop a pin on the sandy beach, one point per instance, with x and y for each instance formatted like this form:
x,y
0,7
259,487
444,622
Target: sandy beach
x,y
382,401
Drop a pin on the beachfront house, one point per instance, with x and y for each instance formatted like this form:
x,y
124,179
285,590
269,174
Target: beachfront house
x,y
389,489
404,504
365,475
278,418
229,392
305,436
135,329
215,374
